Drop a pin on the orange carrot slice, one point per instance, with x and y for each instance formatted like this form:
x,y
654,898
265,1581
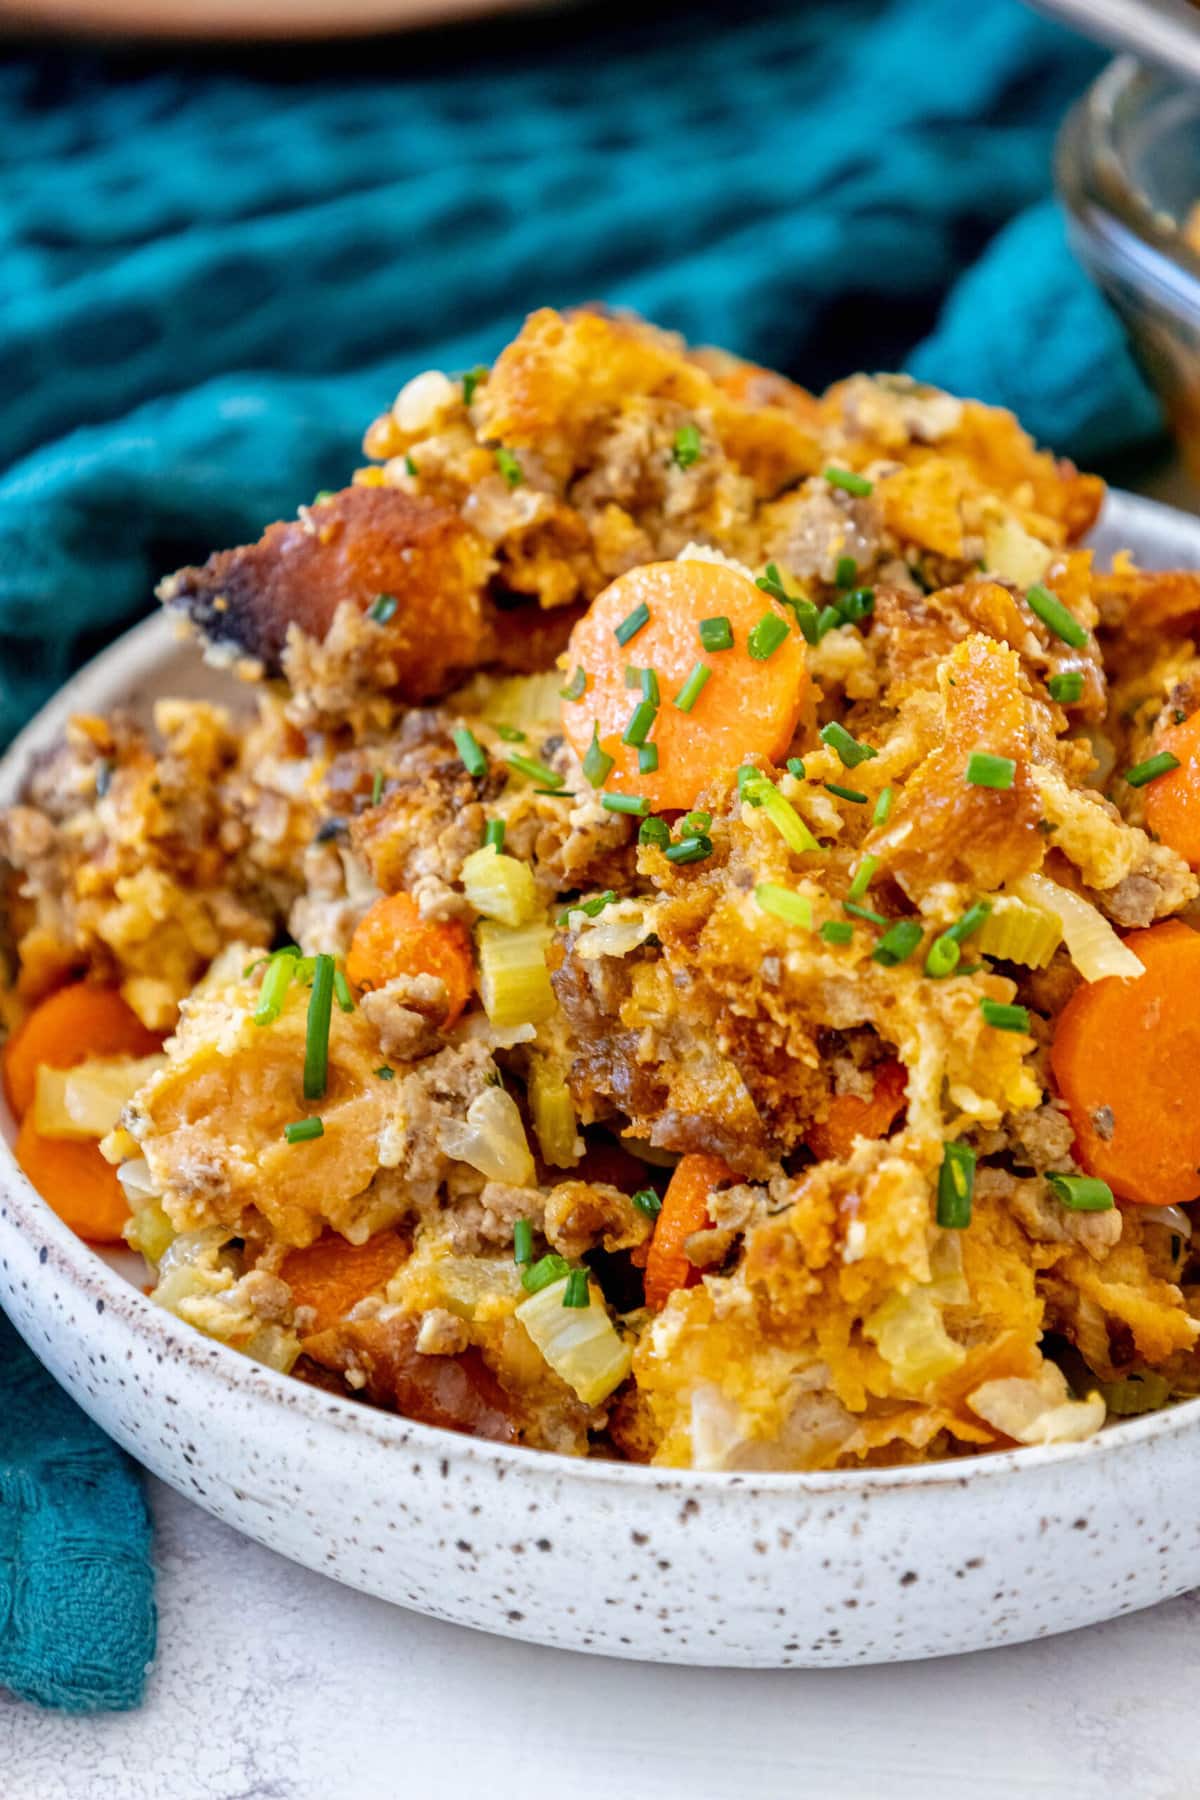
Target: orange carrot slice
x,y
331,1275
73,1024
75,1182
393,939
831,1139
1125,1056
1173,799
684,1210
746,705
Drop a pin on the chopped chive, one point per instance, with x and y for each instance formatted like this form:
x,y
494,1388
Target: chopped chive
x,y
943,957
632,623
304,1130
988,771
689,850
471,381
537,771
656,832
1004,1018
634,804
522,1241
766,636
647,1202
746,776
556,793
793,909
796,767
845,793
641,723
410,466
863,912
757,791
474,760
510,734
590,908
694,823
252,968
104,775
576,688
837,931
321,495
956,1185
1055,616
650,686
846,570
850,752
576,1291
341,989
716,634
827,620
385,1072
281,968
848,481
857,605
693,687
883,807
377,788
316,1039
1066,688
687,446
863,877
633,676
382,608
542,1273
1151,769
509,467
898,943
806,613
970,922
493,834
1082,1193
647,758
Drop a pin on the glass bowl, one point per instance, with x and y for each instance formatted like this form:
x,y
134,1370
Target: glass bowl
x,y
1129,175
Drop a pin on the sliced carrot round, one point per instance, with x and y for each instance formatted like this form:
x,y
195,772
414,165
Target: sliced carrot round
x,y
1173,800
746,705
1125,1056
76,1022
831,1139
393,939
75,1182
684,1210
331,1275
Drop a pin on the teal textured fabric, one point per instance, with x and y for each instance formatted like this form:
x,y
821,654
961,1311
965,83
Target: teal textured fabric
x,y
76,1585
215,273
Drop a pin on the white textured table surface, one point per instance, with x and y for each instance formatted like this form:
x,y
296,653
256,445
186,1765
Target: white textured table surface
x,y
274,1684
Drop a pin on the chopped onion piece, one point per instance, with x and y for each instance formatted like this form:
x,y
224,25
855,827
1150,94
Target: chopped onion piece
x,y
87,1101
1093,945
1038,1410
491,1139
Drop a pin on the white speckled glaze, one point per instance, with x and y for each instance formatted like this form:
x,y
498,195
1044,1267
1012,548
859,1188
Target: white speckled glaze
x,y
760,1570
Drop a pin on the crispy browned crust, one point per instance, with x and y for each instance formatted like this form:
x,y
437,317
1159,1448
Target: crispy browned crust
x,y
362,542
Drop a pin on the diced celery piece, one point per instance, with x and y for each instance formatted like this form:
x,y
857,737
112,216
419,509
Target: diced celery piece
x,y
514,982
581,1344
499,886
1015,931
553,1113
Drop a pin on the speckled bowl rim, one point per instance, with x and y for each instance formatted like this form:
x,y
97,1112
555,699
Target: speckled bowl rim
x,y
136,656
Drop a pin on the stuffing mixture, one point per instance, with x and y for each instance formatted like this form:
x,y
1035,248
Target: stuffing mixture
x,y
679,945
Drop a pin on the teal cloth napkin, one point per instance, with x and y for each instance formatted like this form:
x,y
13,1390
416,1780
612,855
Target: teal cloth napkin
x,y
214,272
76,1585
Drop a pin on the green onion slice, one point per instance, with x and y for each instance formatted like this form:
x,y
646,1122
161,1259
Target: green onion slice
x,y
693,687
883,807
632,623
576,688
689,850
848,481
542,1273
1151,769
647,758
1066,688
522,1241
656,832
845,793
509,467
493,834
1004,1018
864,874
716,634
782,903
850,752
474,760
316,1040
576,1291
956,1186
647,1202
537,771
898,943
635,804
382,608
304,1130
986,770
687,446
597,764
641,723
281,969
1056,617
837,931
766,636
1082,1193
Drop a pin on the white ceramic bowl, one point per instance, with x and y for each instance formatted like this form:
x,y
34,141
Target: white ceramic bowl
x,y
763,1570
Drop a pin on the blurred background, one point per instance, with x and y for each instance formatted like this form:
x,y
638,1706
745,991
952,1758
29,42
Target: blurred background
x,y
219,260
